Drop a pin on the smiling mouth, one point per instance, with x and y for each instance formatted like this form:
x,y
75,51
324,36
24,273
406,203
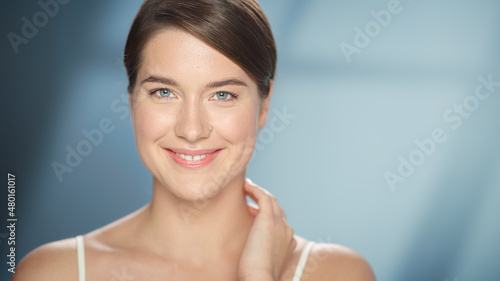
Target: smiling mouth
x,y
192,158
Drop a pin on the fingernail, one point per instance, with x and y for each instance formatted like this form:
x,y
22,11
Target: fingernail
x,y
253,205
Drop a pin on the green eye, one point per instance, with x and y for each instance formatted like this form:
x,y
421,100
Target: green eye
x,y
164,93
222,95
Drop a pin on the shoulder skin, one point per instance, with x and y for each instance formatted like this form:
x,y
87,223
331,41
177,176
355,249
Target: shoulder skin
x,y
52,261
335,262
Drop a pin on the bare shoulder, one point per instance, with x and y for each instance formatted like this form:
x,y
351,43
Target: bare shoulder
x,y
52,261
336,262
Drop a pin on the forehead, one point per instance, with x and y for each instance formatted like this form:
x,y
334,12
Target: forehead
x,y
177,53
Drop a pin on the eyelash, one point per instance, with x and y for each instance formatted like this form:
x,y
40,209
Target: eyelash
x,y
232,95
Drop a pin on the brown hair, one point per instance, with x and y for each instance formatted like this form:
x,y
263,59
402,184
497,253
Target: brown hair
x,y
236,28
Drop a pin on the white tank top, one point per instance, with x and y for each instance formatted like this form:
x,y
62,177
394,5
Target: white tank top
x,y
80,251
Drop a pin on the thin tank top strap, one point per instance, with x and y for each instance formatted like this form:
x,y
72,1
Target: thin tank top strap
x,y
302,261
80,251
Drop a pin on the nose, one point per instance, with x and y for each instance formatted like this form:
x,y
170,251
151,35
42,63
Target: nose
x,y
192,122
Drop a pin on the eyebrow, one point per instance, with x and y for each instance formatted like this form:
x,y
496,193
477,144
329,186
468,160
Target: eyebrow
x,y
221,83
157,79
213,84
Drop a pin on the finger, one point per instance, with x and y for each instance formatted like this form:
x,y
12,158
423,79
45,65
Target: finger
x,y
248,188
252,209
253,190
277,211
261,197
249,185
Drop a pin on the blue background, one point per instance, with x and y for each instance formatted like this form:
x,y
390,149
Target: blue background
x,y
352,121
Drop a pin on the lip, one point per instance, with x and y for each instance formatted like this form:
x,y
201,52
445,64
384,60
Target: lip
x,y
211,155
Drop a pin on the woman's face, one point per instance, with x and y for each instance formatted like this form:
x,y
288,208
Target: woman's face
x,y
195,114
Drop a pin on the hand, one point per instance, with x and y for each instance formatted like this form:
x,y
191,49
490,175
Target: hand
x,y
270,241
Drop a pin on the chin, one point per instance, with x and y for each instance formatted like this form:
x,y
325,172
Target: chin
x,y
198,189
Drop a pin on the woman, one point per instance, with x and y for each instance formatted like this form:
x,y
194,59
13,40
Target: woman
x,y
200,82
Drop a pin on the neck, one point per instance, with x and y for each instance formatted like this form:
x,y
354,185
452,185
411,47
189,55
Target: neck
x,y
201,230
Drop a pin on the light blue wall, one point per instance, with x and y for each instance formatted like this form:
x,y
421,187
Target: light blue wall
x,y
348,124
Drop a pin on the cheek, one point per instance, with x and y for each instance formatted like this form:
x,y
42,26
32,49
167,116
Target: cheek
x,y
239,128
149,124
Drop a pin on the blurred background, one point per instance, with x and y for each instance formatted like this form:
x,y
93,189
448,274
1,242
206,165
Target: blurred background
x,y
386,136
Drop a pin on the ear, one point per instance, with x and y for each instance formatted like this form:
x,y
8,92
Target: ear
x,y
264,106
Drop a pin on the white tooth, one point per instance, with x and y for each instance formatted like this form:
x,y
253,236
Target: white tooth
x,y
189,158
203,156
182,156
177,154
196,158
